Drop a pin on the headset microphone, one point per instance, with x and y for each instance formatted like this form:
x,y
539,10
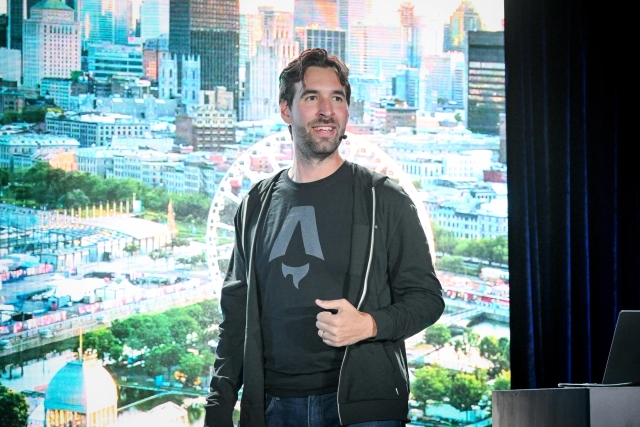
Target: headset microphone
x,y
344,137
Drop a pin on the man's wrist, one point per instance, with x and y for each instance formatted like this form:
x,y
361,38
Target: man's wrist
x,y
374,327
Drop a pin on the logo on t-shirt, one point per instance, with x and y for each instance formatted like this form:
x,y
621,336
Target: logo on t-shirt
x,y
306,216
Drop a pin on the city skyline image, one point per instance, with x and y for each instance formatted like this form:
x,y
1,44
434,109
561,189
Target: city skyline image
x,y
130,133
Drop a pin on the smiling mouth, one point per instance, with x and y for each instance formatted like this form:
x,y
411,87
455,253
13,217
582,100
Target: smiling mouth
x,y
323,129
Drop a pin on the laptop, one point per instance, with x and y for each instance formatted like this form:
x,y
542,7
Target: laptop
x,y
623,364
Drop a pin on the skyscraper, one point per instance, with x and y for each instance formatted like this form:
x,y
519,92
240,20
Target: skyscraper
x,y
410,35
18,12
353,11
51,43
487,81
321,14
122,17
154,19
211,30
96,17
463,20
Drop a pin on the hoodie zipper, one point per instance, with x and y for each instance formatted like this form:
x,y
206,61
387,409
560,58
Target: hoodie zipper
x,y
364,292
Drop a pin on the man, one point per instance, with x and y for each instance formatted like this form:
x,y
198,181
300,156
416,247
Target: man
x,y
330,272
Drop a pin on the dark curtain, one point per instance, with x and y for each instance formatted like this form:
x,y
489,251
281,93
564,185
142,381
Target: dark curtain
x,y
573,179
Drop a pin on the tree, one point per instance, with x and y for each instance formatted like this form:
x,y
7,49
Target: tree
x,y
431,383
496,351
191,367
503,381
131,248
14,409
180,325
437,335
170,356
466,391
105,343
74,199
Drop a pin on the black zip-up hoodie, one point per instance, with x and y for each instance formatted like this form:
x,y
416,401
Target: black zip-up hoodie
x,y
391,277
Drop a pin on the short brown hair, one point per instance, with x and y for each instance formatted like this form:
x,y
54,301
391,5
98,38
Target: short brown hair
x,y
315,57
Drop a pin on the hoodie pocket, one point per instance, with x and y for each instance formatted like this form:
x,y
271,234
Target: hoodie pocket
x,y
370,374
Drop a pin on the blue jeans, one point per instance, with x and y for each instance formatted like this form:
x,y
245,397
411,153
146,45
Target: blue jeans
x,y
313,411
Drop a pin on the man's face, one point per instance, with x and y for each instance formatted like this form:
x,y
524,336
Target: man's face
x,y
318,113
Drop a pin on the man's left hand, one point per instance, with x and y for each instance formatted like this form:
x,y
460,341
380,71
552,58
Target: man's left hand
x,y
346,327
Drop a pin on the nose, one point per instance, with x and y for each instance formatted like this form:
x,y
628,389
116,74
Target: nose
x,y
325,109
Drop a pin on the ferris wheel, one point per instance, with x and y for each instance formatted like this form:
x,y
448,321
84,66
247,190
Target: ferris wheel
x,y
269,156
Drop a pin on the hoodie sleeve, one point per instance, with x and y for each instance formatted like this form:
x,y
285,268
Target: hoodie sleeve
x,y
416,291
228,366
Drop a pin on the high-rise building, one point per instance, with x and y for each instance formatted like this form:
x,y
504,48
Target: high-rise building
x,y
154,19
446,79
333,41
352,12
463,20
486,99
51,43
209,29
4,31
96,17
409,86
321,14
122,18
18,13
273,52
379,51
410,24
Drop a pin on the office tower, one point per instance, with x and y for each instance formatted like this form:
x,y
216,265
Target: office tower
x,y
410,24
4,31
96,17
333,41
154,19
51,43
353,17
486,99
105,60
382,51
250,34
409,85
18,13
446,79
463,20
209,29
122,18
316,13
273,52
353,11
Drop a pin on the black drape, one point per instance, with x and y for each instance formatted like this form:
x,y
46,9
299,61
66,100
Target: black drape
x,y
573,179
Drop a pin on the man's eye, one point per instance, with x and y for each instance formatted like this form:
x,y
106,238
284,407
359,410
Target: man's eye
x,y
311,98
337,98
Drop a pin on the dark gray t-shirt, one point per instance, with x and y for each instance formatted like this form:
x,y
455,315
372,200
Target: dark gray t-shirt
x,y
303,255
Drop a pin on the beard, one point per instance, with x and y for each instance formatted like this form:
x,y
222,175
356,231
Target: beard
x,y
316,149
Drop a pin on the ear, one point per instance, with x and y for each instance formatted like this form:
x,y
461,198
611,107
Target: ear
x,y
285,113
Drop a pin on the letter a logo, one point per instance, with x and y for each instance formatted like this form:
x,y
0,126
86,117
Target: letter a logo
x,y
306,216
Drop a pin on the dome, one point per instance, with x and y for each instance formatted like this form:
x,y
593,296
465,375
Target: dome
x,y
81,386
52,4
